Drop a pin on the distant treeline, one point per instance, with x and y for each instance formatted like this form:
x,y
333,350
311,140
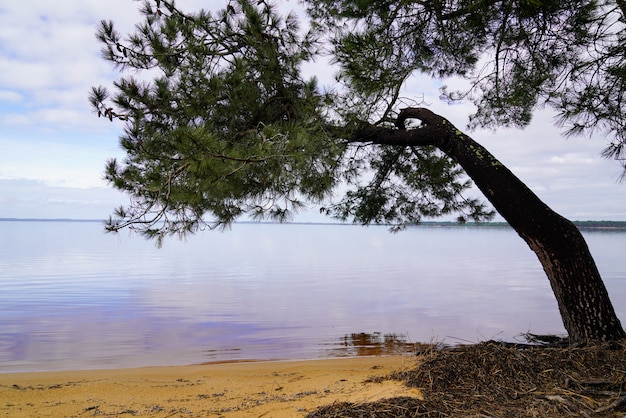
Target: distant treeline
x,y
579,224
601,224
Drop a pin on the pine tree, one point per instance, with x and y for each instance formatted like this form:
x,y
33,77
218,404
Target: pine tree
x,y
220,123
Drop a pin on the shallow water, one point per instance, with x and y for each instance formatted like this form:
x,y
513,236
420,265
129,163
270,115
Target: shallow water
x,y
72,297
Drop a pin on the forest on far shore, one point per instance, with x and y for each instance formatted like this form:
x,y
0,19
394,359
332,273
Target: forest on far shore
x,y
579,224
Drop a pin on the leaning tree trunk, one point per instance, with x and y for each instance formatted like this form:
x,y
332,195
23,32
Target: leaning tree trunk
x,y
582,298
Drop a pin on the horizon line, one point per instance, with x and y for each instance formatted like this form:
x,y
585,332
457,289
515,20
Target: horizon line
x,y
426,223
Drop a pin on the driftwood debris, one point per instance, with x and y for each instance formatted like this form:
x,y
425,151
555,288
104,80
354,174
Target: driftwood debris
x,y
495,379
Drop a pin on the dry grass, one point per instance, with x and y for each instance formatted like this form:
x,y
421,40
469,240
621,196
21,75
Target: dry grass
x,y
494,379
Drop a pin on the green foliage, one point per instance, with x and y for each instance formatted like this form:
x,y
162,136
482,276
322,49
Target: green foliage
x,y
220,123
517,55
225,126
407,184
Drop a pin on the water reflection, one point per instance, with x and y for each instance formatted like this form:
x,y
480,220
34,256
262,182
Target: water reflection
x,y
375,344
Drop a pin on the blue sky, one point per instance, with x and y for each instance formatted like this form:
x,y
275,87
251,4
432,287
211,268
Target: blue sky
x,y
53,148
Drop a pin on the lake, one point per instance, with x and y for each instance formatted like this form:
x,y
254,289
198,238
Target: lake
x,y
72,297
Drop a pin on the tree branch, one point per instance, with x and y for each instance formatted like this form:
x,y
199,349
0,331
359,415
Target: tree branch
x,y
426,116
430,132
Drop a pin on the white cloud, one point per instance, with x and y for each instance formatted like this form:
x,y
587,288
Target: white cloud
x,y
71,162
15,119
573,158
34,199
10,96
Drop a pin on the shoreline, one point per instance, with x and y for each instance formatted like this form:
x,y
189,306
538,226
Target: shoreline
x,y
276,388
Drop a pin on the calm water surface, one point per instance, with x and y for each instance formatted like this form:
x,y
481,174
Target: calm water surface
x,y
72,297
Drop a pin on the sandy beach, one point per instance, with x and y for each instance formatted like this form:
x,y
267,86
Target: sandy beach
x,y
244,389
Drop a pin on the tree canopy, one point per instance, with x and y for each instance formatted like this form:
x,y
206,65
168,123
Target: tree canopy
x,y
220,122
517,55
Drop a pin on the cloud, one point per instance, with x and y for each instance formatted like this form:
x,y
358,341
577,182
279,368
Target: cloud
x,y
34,199
50,59
71,160
10,96
573,158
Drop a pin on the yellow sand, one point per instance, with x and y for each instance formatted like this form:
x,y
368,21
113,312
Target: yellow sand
x,y
252,389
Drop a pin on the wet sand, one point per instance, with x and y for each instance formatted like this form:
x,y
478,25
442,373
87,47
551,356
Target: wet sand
x,y
244,389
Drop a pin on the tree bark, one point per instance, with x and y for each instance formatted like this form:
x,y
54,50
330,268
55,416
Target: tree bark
x,y
582,298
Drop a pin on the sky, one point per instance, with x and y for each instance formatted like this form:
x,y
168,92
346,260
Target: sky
x,y
53,148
